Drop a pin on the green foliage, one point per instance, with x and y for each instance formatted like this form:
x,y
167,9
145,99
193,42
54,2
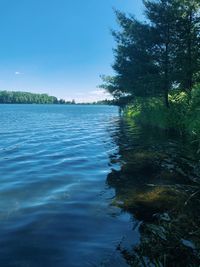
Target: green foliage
x,y
150,112
187,63
182,116
8,97
193,123
195,97
153,58
15,97
111,84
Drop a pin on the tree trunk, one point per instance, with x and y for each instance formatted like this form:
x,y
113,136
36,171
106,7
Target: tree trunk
x,y
166,69
166,96
189,55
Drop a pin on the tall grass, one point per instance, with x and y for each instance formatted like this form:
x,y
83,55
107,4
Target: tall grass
x,y
183,116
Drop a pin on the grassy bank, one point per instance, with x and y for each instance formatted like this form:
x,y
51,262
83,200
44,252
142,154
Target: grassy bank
x,y
183,115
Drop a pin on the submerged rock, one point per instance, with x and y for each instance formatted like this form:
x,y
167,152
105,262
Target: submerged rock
x,y
157,200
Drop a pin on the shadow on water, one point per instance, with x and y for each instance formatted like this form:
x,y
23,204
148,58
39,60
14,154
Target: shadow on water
x,y
56,210
158,184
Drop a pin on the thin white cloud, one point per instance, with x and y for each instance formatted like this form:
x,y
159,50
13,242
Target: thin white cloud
x,y
18,73
79,94
98,92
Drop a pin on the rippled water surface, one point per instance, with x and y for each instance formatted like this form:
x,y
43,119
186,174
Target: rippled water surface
x,y
55,204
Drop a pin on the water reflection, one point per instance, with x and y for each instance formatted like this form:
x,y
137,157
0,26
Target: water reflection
x,y
154,179
75,190
54,205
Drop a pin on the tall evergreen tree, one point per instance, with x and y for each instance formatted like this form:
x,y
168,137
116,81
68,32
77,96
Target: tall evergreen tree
x,y
188,42
136,73
162,18
155,57
134,61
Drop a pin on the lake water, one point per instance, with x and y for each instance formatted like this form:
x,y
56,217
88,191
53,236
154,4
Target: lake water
x,y
55,203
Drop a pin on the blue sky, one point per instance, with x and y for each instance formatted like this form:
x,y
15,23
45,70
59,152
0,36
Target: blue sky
x,y
59,47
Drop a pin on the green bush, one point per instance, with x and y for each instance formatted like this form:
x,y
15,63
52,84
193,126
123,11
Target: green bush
x,y
183,116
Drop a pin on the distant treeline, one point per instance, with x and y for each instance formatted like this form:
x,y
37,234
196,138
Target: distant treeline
x,y
15,97
18,97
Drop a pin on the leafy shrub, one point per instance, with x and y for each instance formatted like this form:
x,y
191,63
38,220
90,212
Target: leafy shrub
x,y
183,116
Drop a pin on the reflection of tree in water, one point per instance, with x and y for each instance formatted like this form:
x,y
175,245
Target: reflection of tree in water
x,y
153,185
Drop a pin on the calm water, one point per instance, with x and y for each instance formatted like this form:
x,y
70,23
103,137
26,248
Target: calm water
x,y
55,204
